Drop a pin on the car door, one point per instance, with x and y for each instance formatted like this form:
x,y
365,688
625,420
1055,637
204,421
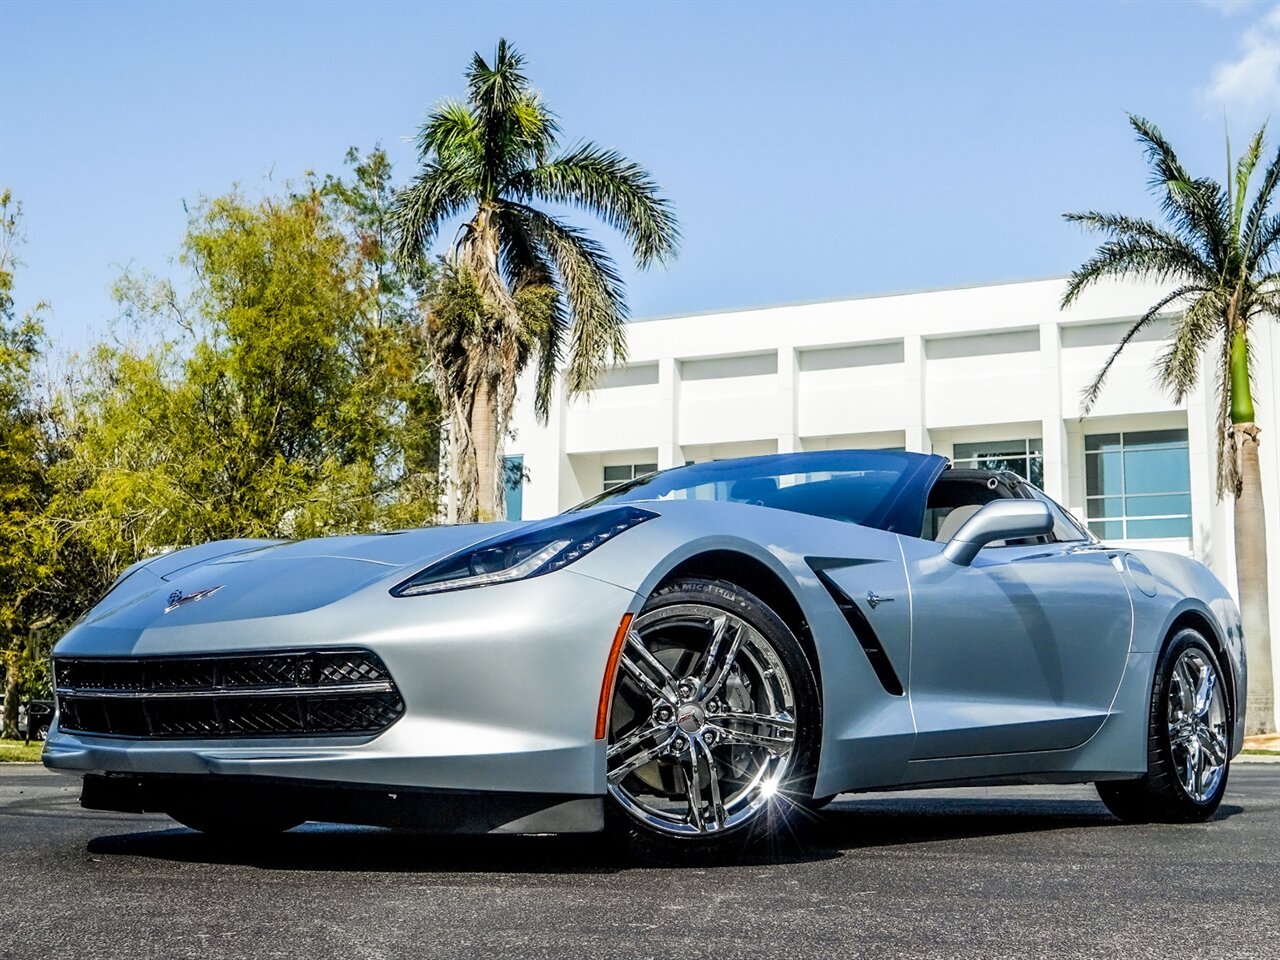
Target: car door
x,y
1021,651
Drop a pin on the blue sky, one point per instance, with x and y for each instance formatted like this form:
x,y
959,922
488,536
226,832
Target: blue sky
x,y
812,151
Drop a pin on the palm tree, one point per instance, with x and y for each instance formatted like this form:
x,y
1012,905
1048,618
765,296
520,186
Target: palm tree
x,y
1219,255
550,293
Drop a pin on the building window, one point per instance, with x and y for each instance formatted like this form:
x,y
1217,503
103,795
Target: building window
x,y
1138,485
1023,457
615,476
513,485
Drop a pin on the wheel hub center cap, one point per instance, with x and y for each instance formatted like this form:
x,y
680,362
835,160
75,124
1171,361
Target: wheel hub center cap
x,y
690,717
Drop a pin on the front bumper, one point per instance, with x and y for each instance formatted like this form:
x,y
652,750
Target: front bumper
x,y
500,688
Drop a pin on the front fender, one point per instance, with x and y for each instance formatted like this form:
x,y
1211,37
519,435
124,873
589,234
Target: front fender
x,y
867,732
1183,586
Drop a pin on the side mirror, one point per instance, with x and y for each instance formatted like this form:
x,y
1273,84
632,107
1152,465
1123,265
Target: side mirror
x,y
998,520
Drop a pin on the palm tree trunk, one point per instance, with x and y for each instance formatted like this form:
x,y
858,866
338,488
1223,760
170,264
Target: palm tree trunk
x,y
484,436
1251,541
1251,573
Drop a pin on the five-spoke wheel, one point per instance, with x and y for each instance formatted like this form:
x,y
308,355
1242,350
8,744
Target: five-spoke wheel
x,y
1197,724
1189,740
712,721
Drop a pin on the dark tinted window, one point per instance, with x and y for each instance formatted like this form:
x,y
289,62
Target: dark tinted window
x,y
876,488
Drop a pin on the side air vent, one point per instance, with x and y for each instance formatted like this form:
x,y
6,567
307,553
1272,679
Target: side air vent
x,y
865,634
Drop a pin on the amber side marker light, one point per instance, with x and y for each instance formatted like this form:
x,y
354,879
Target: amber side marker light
x,y
610,671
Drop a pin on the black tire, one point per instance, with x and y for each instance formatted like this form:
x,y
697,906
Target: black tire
x,y
234,825
1159,796
796,786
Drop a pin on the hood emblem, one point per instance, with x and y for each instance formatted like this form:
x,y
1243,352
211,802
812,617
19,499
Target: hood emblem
x,y
178,598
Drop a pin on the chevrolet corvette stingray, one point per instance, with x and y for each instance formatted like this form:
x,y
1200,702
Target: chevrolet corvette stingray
x,y
688,660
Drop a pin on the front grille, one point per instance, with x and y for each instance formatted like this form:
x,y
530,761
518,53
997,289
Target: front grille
x,y
306,693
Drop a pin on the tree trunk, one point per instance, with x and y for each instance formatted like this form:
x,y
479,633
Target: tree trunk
x,y
10,729
1251,574
484,436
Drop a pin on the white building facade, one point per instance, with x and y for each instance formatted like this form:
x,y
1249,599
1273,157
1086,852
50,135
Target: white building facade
x,y
985,375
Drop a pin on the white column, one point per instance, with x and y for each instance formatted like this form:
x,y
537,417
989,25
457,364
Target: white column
x,y
669,454
788,441
1265,342
543,450
1053,429
1202,457
915,430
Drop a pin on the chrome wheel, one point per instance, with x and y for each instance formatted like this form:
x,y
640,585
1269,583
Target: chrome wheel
x,y
702,724
1197,716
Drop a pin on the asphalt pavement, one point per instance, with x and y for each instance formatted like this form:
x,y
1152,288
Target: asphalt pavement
x,y
991,873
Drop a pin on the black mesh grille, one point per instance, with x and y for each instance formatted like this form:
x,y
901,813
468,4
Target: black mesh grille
x,y
301,694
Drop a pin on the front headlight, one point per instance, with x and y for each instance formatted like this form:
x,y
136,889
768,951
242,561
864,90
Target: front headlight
x,y
523,554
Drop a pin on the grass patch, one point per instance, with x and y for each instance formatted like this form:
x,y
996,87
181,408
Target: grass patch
x,y
19,751
1252,753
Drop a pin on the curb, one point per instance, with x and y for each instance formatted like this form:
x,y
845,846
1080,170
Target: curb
x,y
1256,758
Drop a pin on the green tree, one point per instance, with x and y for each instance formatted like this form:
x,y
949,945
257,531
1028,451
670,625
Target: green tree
x,y
489,160
283,398
24,480
1219,251
362,207
459,324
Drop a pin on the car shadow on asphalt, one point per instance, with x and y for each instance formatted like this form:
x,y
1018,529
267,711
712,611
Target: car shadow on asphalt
x,y
845,827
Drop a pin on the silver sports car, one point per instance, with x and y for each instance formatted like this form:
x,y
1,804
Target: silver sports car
x,y
688,660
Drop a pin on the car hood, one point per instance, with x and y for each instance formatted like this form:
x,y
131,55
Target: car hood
x,y
234,580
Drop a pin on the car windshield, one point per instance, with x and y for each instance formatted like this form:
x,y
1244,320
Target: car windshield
x,y
875,488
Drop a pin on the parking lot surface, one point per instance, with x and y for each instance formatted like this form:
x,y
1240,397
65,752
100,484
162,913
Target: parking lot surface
x,y
999,872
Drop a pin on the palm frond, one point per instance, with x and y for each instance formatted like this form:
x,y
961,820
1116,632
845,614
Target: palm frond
x,y
1196,206
1119,225
1179,363
451,131
1261,232
1138,257
1267,299
495,88
550,352
435,194
524,262
525,265
516,127
533,127
620,192
1266,245
593,291
1244,173
1090,395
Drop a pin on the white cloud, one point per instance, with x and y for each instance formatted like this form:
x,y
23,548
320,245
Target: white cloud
x,y
1251,80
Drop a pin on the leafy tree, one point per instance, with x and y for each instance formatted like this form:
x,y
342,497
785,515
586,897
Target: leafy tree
x,y
543,290
460,322
283,398
1220,252
363,208
24,480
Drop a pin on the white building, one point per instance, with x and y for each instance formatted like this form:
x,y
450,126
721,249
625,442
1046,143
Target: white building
x,y
976,373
